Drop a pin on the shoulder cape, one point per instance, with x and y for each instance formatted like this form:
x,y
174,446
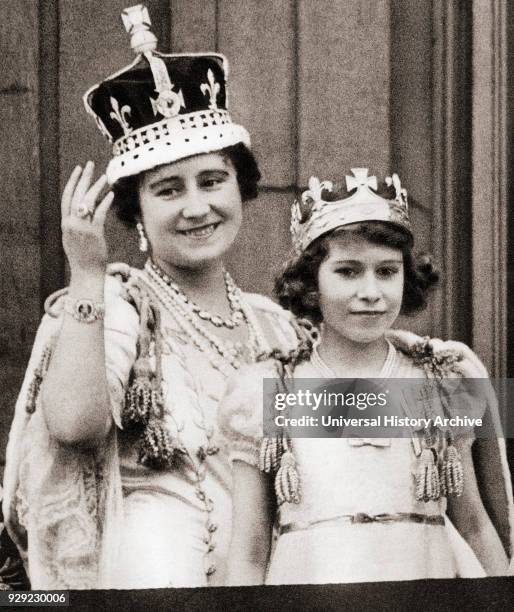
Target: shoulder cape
x,y
63,506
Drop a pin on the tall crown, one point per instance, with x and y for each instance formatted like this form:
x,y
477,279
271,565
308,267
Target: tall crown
x,y
162,107
312,216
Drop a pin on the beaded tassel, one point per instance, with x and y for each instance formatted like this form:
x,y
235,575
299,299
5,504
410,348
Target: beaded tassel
x,y
287,481
35,384
427,477
432,482
142,395
269,458
142,398
157,450
452,473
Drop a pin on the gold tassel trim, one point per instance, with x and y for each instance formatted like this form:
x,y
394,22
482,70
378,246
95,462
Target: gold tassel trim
x,y
157,449
144,403
427,477
287,481
269,458
141,400
451,472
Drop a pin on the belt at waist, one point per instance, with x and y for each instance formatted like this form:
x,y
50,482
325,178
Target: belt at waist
x,y
362,517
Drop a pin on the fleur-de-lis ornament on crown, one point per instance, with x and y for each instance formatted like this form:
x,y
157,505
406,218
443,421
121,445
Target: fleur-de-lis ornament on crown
x,y
316,187
211,89
119,115
311,197
401,192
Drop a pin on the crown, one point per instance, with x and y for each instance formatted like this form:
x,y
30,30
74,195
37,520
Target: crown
x,y
312,216
162,107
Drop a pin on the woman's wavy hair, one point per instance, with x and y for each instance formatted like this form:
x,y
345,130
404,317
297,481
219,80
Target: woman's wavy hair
x,y
297,287
126,190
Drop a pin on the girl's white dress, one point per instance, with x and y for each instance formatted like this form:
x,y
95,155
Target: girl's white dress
x,y
347,476
105,520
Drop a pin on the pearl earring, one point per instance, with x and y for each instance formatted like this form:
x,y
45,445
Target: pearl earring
x,y
143,240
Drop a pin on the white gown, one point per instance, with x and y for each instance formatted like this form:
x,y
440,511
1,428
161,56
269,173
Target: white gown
x,y
342,476
107,521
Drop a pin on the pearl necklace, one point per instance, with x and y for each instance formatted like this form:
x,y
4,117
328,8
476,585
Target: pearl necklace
x,y
222,356
328,372
233,296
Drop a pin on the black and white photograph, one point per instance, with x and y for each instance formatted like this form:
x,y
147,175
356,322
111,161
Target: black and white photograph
x,y
257,331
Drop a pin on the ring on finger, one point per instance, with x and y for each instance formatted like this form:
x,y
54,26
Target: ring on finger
x,y
84,212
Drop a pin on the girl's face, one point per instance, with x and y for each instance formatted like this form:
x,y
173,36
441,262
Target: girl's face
x,y
360,288
191,210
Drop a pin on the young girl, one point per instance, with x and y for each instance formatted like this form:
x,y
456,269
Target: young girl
x,y
350,510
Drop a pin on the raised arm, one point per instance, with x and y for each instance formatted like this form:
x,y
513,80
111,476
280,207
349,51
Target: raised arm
x,y
74,393
253,511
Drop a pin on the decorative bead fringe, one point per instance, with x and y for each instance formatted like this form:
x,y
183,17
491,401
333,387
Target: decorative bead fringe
x,y
287,481
142,399
144,406
432,480
451,472
427,477
157,450
269,457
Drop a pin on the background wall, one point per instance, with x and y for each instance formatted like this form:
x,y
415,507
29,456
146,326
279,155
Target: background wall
x,y
322,86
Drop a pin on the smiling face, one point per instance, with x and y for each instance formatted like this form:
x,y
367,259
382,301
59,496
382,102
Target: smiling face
x,y
191,210
360,288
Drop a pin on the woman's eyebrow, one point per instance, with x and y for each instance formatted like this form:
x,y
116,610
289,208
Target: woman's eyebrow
x,y
214,171
346,261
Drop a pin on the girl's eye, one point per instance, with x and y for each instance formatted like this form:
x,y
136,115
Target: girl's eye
x,y
347,272
387,271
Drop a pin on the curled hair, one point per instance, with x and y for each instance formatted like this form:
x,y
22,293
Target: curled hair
x,y
297,287
126,190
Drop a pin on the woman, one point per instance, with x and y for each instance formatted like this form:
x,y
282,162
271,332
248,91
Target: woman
x,y
116,473
358,509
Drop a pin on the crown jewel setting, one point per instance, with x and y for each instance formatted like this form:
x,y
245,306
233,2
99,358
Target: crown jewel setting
x,y
312,216
163,107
